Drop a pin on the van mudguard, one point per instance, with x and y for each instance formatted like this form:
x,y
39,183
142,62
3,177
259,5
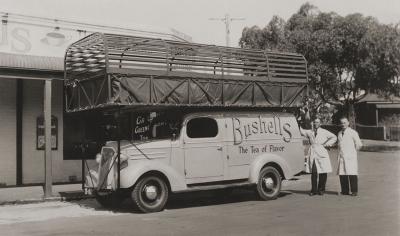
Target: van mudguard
x,y
134,171
260,161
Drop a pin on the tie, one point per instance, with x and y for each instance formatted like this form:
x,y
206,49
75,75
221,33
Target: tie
x,y
315,132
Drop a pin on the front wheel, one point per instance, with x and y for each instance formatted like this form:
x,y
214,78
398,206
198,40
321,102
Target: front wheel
x,y
150,194
269,183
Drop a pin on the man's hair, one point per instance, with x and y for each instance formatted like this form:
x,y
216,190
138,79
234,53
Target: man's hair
x,y
317,118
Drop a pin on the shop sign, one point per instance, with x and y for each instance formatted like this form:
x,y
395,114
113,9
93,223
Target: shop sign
x,y
40,138
35,39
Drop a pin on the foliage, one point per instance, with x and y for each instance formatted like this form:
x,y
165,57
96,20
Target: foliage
x,y
390,120
347,55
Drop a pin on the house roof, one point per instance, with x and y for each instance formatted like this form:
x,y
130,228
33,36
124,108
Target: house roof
x,y
373,98
29,62
389,105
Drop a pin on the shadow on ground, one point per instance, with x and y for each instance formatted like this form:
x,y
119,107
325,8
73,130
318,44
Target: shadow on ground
x,y
72,195
208,198
307,192
185,200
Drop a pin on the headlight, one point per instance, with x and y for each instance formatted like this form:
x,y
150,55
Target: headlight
x,y
108,152
124,161
98,158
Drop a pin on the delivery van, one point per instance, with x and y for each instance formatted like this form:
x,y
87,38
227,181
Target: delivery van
x,y
204,151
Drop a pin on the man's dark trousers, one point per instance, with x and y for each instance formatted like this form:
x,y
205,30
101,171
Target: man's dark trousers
x,y
315,185
344,183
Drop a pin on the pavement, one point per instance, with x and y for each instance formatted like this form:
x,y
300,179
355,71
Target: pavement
x,y
69,192
380,146
35,194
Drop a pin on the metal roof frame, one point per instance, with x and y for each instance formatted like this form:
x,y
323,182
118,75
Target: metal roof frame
x,y
104,60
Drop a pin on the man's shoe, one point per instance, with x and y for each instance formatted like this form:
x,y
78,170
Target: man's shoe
x,y
354,194
342,193
312,193
321,193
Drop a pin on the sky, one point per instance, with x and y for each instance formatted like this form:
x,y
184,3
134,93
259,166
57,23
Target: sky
x,y
192,17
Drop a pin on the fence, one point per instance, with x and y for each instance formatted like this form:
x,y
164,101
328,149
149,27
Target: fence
x,y
393,133
371,132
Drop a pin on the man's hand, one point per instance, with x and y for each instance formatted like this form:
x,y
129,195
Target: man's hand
x,y
328,147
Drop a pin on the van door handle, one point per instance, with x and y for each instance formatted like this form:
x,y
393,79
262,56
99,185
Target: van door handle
x,y
219,148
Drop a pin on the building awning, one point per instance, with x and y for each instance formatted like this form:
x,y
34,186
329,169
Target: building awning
x,y
9,60
389,105
30,67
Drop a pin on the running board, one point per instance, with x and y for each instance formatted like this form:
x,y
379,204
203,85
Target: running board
x,y
215,186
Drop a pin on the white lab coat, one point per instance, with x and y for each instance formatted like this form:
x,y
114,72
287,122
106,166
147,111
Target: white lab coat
x,y
348,143
317,151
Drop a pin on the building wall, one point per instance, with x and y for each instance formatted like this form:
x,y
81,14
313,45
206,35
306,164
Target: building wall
x,y
365,114
33,160
8,134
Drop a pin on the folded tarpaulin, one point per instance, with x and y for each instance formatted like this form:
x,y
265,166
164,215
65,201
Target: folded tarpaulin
x,y
104,70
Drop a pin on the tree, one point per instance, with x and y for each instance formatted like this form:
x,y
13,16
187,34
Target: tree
x,y
274,34
347,56
271,36
252,38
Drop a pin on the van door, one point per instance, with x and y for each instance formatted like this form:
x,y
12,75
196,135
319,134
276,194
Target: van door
x,y
238,150
204,149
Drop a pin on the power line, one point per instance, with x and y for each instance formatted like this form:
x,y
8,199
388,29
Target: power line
x,y
74,25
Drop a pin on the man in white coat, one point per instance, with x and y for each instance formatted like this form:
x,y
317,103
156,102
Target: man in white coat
x,y
348,142
319,163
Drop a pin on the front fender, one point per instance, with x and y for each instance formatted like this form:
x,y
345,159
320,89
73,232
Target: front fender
x,y
133,172
262,160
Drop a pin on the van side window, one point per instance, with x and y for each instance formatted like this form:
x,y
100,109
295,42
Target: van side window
x,y
202,128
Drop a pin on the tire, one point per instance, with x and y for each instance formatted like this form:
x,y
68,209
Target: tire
x,y
150,194
107,200
269,183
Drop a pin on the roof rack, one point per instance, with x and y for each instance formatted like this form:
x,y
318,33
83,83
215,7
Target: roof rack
x,y
103,70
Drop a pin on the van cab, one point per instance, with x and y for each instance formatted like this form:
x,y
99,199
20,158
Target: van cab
x,y
207,150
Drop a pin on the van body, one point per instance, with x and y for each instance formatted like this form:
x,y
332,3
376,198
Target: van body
x,y
210,150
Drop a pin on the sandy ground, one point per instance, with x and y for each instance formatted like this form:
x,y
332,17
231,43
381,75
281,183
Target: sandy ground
x,y
376,211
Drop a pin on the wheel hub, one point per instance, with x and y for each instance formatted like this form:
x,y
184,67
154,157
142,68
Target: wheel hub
x,y
269,183
151,192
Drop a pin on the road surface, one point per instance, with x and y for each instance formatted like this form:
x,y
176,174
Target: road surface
x,y
376,211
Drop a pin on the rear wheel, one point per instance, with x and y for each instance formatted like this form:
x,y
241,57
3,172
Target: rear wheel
x,y
150,194
269,183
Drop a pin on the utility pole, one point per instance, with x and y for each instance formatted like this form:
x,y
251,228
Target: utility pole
x,y
227,20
